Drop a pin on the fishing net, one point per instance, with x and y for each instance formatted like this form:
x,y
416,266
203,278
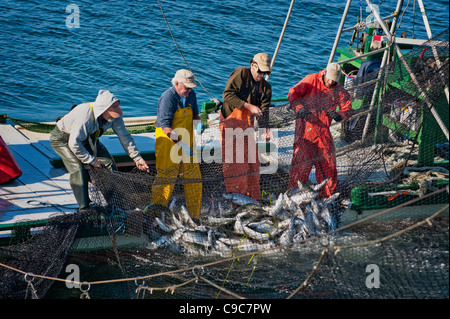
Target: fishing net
x,y
382,234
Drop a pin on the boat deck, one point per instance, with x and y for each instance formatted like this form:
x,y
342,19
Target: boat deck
x,y
42,190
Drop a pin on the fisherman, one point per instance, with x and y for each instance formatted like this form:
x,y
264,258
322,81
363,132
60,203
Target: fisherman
x,y
76,139
315,100
247,95
174,147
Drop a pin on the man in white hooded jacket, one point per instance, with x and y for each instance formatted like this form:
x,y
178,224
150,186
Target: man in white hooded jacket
x,y
75,139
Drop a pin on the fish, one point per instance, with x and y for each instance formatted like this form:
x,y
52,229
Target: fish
x,y
284,214
172,204
252,209
288,235
315,218
250,247
315,206
280,226
254,234
299,213
309,222
301,233
186,218
238,227
295,215
288,203
303,198
231,241
211,240
326,216
276,207
318,187
221,246
163,225
176,222
240,199
165,240
194,237
220,221
262,226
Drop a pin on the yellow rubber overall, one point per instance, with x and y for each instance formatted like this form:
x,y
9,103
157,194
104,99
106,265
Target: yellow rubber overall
x,y
171,163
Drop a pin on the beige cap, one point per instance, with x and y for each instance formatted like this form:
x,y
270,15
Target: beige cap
x,y
114,110
334,72
263,61
186,77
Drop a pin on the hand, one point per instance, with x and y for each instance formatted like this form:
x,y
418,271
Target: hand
x,y
142,165
98,164
200,128
173,136
334,115
302,113
256,111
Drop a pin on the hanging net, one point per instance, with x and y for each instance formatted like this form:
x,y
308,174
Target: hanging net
x,y
383,233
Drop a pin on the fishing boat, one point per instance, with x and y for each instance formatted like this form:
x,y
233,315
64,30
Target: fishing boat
x,y
393,97
400,129
43,189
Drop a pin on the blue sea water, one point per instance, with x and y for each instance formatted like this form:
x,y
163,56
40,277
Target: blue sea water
x,y
125,46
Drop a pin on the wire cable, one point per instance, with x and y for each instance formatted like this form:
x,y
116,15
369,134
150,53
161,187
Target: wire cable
x,y
178,48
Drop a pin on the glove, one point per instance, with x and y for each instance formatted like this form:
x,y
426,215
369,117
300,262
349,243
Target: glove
x,y
186,149
302,113
334,115
200,127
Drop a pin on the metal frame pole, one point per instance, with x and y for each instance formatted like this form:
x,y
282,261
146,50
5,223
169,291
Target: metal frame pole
x,y
383,61
430,36
281,37
338,36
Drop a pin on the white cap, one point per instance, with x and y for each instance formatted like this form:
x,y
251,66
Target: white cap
x,y
186,77
334,72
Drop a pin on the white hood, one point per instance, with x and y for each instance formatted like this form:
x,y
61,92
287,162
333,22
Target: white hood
x,y
104,100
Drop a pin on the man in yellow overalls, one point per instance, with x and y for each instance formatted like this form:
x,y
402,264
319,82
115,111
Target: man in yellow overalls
x,y
174,147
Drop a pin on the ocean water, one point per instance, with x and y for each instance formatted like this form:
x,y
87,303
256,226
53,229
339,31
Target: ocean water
x,y
47,64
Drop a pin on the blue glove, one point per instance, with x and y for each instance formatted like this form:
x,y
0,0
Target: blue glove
x,y
302,113
200,127
334,115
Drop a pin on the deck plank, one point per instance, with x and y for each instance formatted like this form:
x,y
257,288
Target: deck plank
x,y
41,190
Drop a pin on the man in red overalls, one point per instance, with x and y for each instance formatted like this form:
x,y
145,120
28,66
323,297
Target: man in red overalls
x,y
315,100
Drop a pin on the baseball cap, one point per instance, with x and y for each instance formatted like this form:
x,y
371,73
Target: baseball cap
x,y
114,110
186,77
334,72
263,61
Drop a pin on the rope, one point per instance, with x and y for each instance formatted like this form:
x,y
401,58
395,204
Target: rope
x,y
316,266
46,128
178,48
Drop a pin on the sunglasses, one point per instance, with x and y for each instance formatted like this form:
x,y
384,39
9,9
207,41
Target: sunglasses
x,y
259,71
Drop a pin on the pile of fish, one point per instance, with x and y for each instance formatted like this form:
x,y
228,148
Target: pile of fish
x,y
293,216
